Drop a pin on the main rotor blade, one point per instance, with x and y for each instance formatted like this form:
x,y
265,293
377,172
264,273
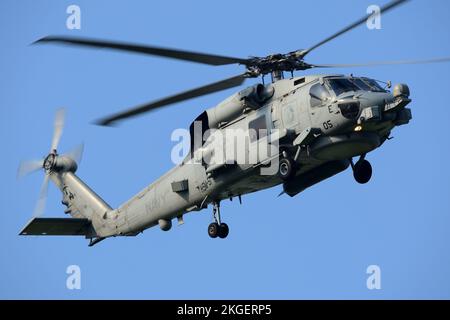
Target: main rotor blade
x,y
381,63
59,125
40,206
355,24
210,59
27,167
210,88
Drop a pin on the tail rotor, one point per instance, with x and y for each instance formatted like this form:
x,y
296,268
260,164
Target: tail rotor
x,y
52,162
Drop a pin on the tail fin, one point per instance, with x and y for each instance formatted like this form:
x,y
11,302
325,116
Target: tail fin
x,y
80,200
83,203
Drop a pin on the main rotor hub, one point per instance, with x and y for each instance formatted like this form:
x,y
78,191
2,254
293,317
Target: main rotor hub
x,y
289,62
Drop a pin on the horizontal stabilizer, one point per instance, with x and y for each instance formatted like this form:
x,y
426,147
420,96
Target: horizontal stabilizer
x,y
58,227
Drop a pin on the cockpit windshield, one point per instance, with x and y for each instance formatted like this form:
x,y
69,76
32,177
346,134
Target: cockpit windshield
x,y
367,84
361,84
374,86
341,85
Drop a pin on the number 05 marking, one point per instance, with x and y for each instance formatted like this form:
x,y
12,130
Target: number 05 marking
x,y
327,125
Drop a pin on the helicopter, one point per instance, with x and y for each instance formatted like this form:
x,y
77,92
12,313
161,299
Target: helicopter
x,y
308,127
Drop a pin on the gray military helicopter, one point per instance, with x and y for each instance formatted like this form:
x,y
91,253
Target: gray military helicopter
x,y
321,123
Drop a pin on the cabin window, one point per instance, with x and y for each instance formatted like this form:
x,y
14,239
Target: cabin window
x,y
318,94
257,128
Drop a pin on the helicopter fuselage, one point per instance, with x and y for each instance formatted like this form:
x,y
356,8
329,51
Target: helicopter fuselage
x,y
322,122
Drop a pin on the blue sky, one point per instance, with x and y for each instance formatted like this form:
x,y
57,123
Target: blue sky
x,y
315,245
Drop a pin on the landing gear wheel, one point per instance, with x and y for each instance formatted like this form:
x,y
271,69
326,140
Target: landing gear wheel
x,y
223,230
286,169
213,230
217,228
362,171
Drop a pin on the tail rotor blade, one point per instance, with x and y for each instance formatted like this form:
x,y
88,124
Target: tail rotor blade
x,y
40,206
76,153
59,125
27,167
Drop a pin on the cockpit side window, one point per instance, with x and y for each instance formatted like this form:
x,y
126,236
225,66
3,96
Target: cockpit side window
x,y
341,85
318,94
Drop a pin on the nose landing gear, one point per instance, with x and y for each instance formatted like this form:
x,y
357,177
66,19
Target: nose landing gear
x,y
218,228
362,170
